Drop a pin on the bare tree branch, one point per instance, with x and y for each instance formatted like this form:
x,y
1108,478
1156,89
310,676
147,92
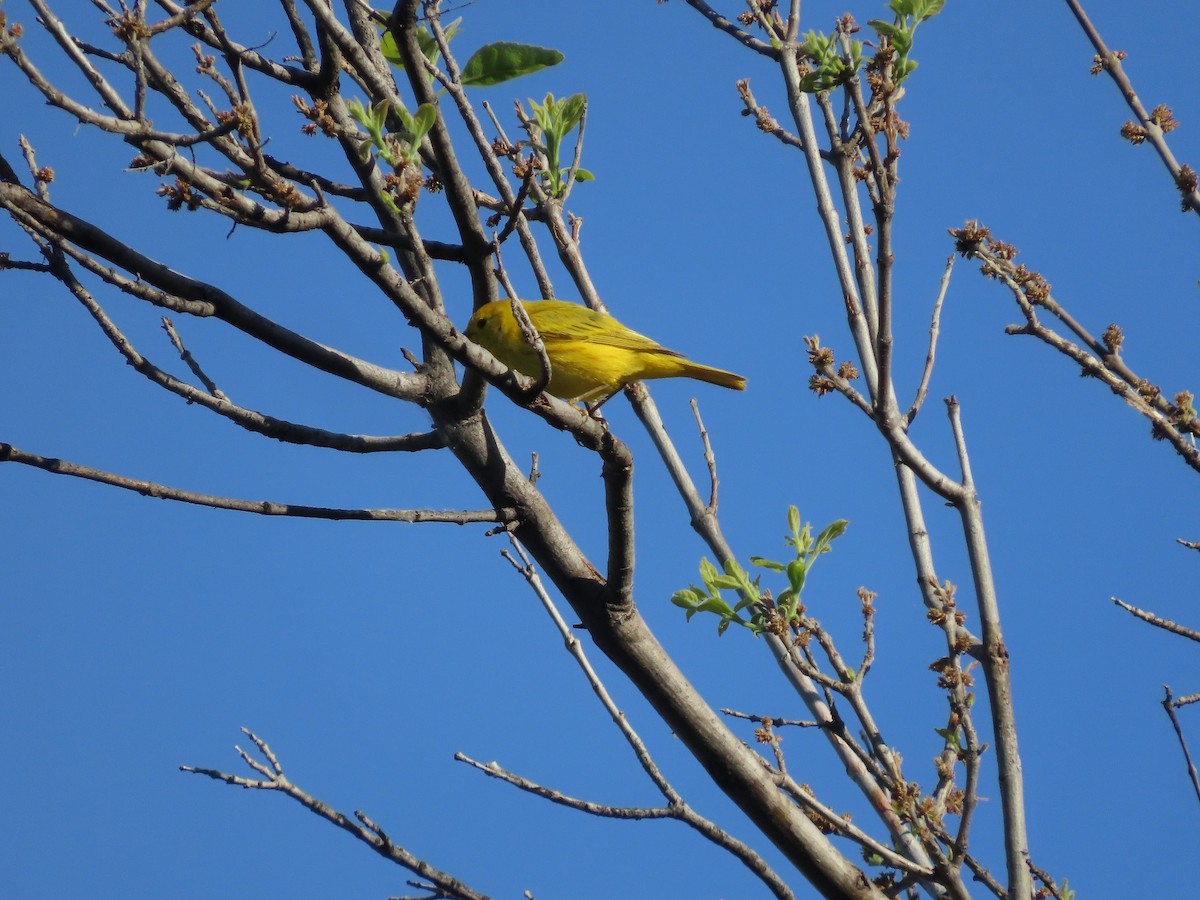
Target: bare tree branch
x,y
677,807
1157,621
927,372
273,779
1170,704
9,453
1153,125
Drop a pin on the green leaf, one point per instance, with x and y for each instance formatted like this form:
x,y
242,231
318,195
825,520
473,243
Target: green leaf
x,y
423,121
584,175
504,61
571,111
686,599
716,605
794,521
387,44
927,9
950,736
768,564
831,532
885,29
744,602
708,571
725,583
426,41
406,120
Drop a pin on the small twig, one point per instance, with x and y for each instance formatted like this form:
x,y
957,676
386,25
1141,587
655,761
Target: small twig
x,y
867,599
1157,621
843,826
1044,877
23,265
766,123
934,327
41,182
495,770
743,37
273,779
1193,545
187,357
515,210
530,333
710,459
1170,705
774,721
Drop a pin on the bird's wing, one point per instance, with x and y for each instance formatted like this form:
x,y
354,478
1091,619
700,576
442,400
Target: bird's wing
x,y
556,326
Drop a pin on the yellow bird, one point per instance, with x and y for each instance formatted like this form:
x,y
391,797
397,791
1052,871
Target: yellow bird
x,y
592,355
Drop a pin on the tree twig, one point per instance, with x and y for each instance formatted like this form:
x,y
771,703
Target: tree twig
x,y
273,779
1158,621
1170,704
1151,125
934,324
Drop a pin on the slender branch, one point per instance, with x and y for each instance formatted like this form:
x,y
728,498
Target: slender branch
x,y
1158,622
710,460
273,779
1152,123
676,807
495,770
191,361
774,721
934,326
996,670
165,287
1169,704
1176,423
767,123
741,36
9,453
215,401
842,826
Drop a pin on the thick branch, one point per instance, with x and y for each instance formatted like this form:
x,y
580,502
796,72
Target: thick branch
x,y
188,295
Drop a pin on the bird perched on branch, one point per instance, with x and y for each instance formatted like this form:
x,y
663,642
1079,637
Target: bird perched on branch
x,y
592,355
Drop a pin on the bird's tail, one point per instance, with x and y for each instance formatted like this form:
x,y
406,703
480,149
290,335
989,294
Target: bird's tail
x,y
715,376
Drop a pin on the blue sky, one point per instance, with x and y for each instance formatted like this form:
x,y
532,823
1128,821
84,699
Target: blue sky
x,y
140,635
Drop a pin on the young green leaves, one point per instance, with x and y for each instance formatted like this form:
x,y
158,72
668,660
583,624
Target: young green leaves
x,y
555,119
398,148
833,65
909,14
761,606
